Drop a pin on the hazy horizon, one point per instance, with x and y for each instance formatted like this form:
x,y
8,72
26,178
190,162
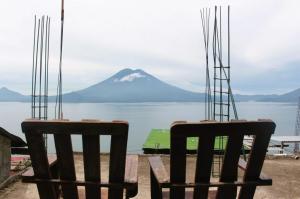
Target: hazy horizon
x,y
54,94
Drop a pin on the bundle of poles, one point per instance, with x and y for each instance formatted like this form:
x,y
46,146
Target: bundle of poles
x,y
221,72
40,68
217,105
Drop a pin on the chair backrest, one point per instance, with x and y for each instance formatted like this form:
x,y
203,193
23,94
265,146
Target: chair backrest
x,y
207,132
90,131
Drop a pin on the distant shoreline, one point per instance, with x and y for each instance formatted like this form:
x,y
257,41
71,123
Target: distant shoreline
x,y
143,102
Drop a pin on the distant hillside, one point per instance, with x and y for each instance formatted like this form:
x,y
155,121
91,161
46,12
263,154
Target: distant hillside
x,y
138,86
245,98
12,96
133,86
292,96
286,97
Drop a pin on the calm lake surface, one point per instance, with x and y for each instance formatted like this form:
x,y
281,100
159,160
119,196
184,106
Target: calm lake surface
x,y
142,117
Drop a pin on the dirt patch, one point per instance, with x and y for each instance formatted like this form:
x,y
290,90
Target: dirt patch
x,y
284,172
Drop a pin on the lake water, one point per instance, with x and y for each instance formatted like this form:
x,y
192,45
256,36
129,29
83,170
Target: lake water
x,y
142,117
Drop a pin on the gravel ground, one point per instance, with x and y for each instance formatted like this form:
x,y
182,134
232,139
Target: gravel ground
x,y
285,173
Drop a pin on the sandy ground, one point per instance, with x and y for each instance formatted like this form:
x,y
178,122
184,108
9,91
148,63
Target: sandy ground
x,y
285,173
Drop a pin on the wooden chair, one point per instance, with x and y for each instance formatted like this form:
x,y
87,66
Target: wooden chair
x,y
201,186
54,175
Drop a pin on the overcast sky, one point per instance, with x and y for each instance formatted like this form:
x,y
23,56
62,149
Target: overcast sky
x,y
164,38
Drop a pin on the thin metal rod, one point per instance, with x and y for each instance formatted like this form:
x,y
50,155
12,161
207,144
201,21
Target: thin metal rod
x,y
205,47
41,66
220,29
220,54
214,59
33,61
205,16
228,56
47,66
207,69
36,62
216,52
60,115
297,126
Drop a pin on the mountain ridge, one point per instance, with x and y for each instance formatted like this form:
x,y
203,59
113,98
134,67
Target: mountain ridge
x,y
133,86
136,85
7,95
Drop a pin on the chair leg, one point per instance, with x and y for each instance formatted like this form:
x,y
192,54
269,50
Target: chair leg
x,y
131,192
156,190
46,191
55,174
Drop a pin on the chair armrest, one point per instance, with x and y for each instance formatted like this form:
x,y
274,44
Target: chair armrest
x,y
131,169
131,175
28,175
243,165
158,169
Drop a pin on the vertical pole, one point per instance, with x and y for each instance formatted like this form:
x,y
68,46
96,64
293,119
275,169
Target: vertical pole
x,y
205,15
297,126
228,59
45,64
204,36
47,79
33,69
41,68
208,75
220,62
214,57
60,116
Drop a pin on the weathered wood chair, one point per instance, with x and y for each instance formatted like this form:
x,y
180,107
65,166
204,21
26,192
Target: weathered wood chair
x,y
202,185
57,175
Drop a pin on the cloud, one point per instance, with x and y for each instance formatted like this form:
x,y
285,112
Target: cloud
x,y
162,37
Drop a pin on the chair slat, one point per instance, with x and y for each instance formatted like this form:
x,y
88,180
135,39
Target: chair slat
x,y
131,167
230,165
91,158
177,163
159,169
203,164
256,159
40,164
65,158
117,160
